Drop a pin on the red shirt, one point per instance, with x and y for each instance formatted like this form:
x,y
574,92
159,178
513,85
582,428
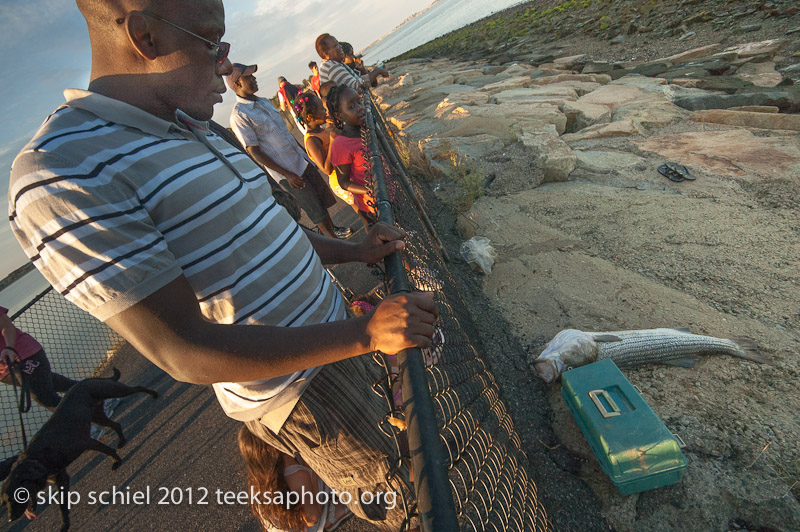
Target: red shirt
x,y
314,82
26,345
349,151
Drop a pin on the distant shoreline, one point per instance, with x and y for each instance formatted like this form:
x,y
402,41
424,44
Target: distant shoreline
x,y
406,21
16,275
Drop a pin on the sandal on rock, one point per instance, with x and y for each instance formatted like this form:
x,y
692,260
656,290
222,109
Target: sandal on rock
x,y
675,172
670,174
682,170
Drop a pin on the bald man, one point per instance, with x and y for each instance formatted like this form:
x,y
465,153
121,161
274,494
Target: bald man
x,y
136,213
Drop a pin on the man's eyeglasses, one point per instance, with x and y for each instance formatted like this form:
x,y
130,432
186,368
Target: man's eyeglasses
x,y
221,49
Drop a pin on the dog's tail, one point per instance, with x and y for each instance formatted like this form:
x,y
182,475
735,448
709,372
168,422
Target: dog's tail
x,y
116,375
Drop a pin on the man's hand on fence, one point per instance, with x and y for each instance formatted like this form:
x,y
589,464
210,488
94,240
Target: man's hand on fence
x,y
402,321
381,241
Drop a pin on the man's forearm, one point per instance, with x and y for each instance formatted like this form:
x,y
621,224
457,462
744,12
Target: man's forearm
x,y
168,328
333,250
187,346
212,353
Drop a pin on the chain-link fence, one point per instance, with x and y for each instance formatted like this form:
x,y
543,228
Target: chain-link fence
x,y
485,471
76,344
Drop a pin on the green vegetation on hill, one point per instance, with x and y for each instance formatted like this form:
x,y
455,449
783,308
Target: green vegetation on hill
x,y
548,21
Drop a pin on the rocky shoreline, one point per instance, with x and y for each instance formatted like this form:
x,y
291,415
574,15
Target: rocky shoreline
x,y
555,161
615,30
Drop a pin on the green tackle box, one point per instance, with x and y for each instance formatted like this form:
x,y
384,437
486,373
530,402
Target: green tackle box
x,y
634,447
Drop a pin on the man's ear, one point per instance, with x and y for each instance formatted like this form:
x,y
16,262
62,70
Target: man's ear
x,y
137,26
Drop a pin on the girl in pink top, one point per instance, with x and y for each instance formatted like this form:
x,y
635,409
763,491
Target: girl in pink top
x,y
346,152
21,349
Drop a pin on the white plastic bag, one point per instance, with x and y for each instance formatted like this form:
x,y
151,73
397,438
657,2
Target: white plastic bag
x,y
478,252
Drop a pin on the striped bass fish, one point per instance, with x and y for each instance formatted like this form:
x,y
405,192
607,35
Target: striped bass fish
x,y
571,348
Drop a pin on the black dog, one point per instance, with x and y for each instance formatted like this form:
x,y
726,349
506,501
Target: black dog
x,y
60,441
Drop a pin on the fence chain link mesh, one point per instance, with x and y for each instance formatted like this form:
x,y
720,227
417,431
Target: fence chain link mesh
x,y
487,468
76,344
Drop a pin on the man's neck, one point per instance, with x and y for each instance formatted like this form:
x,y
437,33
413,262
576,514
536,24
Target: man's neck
x,y
251,97
107,86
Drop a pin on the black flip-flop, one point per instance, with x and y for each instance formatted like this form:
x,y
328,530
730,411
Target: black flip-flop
x,y
682,170
670,174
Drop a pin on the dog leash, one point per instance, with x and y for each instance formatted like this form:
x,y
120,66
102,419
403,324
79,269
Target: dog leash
x,y
23,398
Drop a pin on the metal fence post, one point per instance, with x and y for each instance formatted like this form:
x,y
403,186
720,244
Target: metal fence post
x,y
434,499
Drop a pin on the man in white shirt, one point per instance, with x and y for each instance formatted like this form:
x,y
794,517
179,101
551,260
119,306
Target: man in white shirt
x,y
261,130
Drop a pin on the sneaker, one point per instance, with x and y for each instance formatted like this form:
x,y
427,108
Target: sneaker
x,y
110,404
96,432
342,232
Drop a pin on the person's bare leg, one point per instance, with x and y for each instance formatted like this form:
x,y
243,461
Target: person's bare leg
x,y
365,220
326,226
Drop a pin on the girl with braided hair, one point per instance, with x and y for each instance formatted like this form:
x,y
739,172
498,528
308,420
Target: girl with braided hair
x,y
318,140
346,153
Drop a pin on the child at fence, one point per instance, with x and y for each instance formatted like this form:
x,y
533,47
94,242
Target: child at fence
x,y
346,153
352,61
318,140
21,351
286,481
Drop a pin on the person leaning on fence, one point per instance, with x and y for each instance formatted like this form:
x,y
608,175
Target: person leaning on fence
x,y
136,213
333,68
259,128
347,152
352,61
26,356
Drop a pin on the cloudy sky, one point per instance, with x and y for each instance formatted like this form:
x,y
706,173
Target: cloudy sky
x,y
45,49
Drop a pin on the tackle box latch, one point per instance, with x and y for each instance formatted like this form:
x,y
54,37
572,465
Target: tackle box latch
x,y
615,411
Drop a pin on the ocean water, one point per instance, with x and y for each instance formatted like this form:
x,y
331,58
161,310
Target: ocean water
x,y
442,17
18,294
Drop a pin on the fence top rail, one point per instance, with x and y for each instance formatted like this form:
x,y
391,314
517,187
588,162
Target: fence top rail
x,y
30,303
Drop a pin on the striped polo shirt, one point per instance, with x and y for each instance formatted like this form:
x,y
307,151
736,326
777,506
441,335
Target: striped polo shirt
x,y
111,203
341,74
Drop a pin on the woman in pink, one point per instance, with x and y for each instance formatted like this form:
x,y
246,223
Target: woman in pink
x,y
346,152
26,355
